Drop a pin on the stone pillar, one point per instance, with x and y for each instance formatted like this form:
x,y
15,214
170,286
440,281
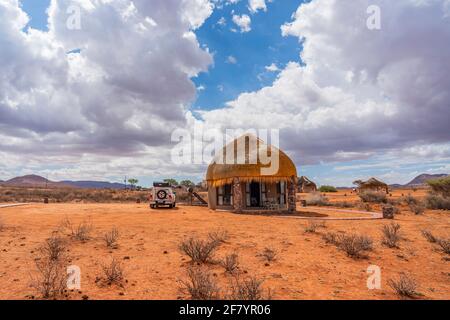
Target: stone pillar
x,y
238,204
292,190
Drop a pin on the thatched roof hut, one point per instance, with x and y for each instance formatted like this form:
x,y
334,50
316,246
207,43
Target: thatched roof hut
x,y
372,184
244,181
305,185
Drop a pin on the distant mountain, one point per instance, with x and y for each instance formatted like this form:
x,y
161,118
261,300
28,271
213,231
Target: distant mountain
x,y
423,178
94,184
395,186
32,180
41,182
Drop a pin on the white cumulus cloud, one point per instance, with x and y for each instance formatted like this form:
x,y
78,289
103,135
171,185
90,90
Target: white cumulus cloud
x,y
243,22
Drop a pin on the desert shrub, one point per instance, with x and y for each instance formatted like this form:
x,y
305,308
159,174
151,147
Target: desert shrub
x,y
330,238
312,226
441,186
111,238
54,248
199,251
51,279
445,245
230,263
391,235
364,206
410,200
417,208
269,254
327,189
404,286
13,194
248,289
220,236
316,199
113,273
429,236
354,245
437,202
200,284
373,197
344,204
81,232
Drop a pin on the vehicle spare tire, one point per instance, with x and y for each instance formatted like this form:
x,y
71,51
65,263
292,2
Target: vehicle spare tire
x,y
161,194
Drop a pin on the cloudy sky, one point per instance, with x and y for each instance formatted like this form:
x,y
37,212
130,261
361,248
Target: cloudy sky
x,y
99,97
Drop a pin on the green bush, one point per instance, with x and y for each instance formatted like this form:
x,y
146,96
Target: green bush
x,y
328,189
441,186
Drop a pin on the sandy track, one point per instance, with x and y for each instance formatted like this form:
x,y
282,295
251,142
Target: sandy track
x,y
306,267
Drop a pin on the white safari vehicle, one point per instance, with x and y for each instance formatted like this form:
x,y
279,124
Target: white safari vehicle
x,y
162,195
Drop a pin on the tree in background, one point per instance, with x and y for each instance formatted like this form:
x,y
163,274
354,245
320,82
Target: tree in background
x,y
328,189
133,182
440,186
172,182
187,183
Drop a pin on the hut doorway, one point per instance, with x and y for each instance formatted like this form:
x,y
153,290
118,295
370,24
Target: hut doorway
x,y
254,195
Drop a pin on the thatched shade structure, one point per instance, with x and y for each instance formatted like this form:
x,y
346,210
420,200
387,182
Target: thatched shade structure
x,y
371,185
239,183
305,185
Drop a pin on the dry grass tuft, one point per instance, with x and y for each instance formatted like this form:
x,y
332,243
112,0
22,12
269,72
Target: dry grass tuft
x,y
391,235
220,236
429,236
54,248
200,284
113,273
81,232
330,238
316,199
445,245
248,289
312,226
111,238
230,263
199,251
269,254
355,245
405,286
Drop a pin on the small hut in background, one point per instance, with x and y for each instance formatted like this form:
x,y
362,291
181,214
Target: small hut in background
x,y
305,185
371,185
240,185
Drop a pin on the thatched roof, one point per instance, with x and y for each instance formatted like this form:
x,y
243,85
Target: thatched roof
x,y
371,183
219,174
305,181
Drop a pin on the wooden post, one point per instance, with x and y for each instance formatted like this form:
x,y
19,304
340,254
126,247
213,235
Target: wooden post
x,y
238,204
